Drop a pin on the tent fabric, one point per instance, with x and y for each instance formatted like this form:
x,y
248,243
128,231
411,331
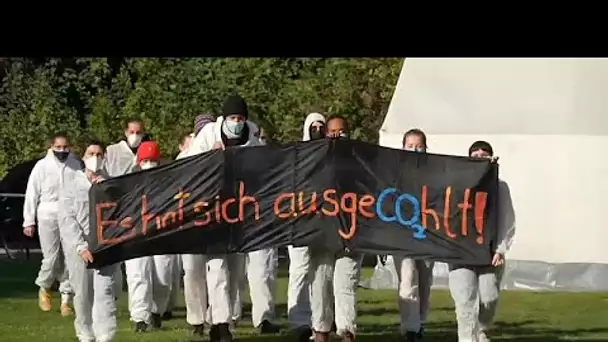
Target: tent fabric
x,y
546,120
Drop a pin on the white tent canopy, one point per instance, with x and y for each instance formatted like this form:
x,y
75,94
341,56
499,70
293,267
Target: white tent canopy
x,y
547,119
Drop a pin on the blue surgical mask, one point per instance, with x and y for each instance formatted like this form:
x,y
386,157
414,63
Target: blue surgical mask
x,y
235,127
416,149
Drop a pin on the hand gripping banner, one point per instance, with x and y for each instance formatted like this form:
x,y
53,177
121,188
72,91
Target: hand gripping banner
x,y
326,194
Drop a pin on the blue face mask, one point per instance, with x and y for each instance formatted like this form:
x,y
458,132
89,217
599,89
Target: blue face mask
x,y
235,127
415,149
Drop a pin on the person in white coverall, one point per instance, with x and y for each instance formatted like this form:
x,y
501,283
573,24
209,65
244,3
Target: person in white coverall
x,y
475,289
225,273
149,278
40,210
120,160
298,289
415,276
194,265
94,289
177,261
343,269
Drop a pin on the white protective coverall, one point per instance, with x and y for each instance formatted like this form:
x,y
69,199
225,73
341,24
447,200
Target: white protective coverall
x,y
149,281
119,160
414,291
94,302
298,289
195,284
475,289
344,270
44,185
225,273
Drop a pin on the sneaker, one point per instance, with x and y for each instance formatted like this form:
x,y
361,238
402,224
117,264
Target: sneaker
x,y
482,337
156,320
141,327
197,333
268,328
167,316
223,332
348,337
214,335
44,300
66,310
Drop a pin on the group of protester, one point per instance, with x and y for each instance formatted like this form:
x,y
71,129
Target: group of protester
x,y
322,285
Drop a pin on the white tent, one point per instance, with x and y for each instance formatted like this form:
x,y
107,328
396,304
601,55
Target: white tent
x,y
547,120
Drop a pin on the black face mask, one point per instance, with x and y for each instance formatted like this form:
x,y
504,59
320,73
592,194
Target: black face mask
x,y
61,155
316,134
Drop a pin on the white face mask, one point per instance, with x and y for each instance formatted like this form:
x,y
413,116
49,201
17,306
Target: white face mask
x,y
93,163
148,165
134,139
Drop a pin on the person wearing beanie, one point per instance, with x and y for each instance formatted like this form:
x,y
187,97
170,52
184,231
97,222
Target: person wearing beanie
x,y
149,278
475,289
225,274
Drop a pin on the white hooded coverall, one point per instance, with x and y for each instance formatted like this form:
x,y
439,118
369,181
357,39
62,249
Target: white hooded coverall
x,y
298,290
226,273
94,302
42,203
338,302
475,289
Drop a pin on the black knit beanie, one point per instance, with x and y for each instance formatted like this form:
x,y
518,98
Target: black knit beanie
x,y
235,105
481,145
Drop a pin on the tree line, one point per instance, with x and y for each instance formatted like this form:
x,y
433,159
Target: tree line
x,y
93,96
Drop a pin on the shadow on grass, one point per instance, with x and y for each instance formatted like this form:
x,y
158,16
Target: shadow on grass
x,y
17,277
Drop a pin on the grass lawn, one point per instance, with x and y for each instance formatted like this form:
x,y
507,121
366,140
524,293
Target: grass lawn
x,y
522,316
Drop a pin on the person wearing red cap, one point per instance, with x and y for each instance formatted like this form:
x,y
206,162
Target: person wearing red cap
x,y
148,300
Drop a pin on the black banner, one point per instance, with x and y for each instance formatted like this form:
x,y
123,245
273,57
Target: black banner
x,y
329,194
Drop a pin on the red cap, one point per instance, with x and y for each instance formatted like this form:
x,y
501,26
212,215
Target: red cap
x,y
148,150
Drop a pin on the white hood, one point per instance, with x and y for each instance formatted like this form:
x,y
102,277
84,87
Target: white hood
x,y
312,117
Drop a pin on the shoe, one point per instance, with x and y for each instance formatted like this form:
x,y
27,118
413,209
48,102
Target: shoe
x,y
214,335
482,337
321,336
66,310
348,337
411,336
303,334
268,328
44,300
223,332
197,333
141,327
167,316
156,321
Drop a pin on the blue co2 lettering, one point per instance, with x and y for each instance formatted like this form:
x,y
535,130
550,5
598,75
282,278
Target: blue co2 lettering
x,y
412,222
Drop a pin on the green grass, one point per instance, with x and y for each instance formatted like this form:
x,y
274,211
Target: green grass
x,y
522,316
